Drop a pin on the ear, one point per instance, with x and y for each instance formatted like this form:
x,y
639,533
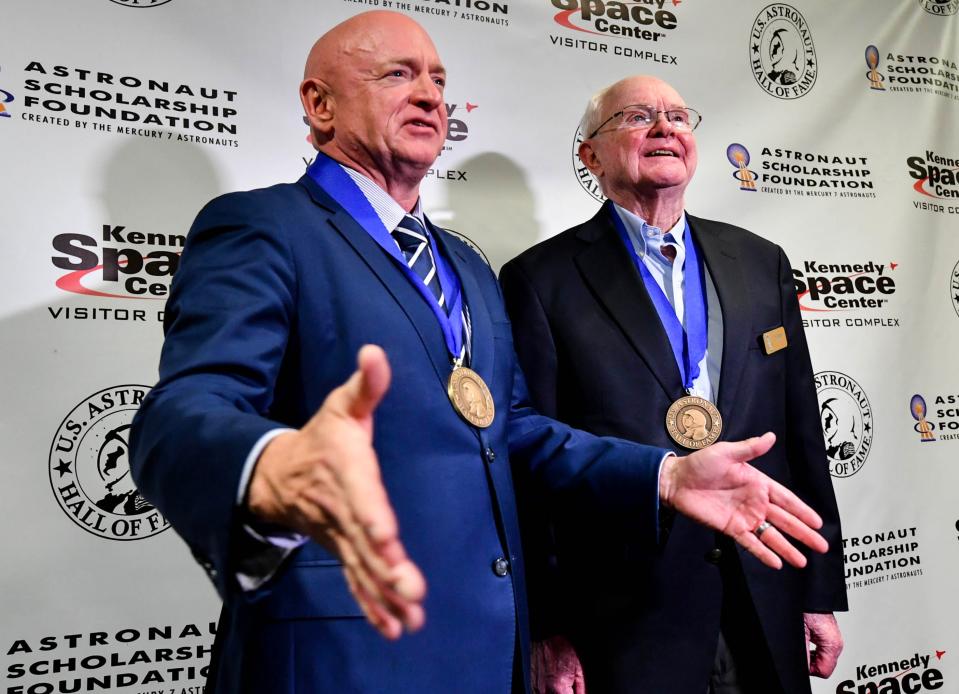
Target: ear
x,y
590,159
318,106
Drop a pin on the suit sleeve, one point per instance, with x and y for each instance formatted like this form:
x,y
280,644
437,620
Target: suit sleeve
x,y
227,322
824,575
564,467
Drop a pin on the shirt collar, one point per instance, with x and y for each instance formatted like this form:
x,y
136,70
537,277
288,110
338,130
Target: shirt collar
x,y
387,209
647,238
643,229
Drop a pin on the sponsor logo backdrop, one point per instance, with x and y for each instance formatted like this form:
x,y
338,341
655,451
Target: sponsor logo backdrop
x,y
828,128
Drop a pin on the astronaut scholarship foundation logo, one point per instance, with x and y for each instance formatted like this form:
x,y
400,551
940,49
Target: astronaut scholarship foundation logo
x,y
5,98
940,422
114,102
940,8
782,56
846,417
907,673
89,467
923,427
587,181
913,73
639,27
875,77
877,557
789,172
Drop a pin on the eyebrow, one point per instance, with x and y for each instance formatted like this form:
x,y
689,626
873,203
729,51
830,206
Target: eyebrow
x,y
436,68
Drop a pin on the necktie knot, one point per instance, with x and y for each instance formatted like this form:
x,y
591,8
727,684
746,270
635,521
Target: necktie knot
x,y
410,235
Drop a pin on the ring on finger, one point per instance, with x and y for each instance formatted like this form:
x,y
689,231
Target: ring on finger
x,y
762,527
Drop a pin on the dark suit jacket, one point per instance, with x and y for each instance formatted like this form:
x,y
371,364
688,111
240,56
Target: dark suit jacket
x,y
277,290
596,356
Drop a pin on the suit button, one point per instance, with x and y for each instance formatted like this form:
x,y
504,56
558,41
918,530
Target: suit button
x,y
500,567
490,455
714,555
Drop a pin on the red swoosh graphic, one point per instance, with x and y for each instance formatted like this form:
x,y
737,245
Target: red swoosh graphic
x,y
918,187
562,18
71,282
821,310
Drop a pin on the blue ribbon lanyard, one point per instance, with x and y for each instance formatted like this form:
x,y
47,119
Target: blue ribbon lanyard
x,y
337,183
689,345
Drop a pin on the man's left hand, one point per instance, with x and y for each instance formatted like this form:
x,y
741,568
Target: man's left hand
x,y
823,631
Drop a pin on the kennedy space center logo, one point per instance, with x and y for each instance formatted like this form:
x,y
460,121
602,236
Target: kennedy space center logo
x,y
846,422
89,469
782,56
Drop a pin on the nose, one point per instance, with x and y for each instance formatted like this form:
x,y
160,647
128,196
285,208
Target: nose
x,y
426,93
661,126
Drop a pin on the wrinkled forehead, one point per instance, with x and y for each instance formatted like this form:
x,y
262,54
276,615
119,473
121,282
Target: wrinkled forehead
x,y
384,43
642,90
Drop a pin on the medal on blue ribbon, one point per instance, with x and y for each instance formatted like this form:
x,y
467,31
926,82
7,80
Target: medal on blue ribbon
x,y
467,391
692,422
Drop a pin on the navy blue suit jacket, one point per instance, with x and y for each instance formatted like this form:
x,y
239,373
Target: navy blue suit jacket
x,y
596,356
277,290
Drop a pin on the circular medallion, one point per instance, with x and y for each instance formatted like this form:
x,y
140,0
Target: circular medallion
x,y
846,417
140,3
471,397
90,472
781,52
583,175
954,288
940,8
694,422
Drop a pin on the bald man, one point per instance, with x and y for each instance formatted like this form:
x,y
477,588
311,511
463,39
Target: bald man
x,y
648,323
294,491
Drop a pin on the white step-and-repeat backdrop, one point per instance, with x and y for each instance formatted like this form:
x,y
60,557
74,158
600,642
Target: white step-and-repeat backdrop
x,y
831,128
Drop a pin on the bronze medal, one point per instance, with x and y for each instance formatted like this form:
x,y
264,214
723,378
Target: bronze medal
x,y
471,397
694,422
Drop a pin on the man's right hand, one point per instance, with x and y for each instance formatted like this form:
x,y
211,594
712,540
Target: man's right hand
x,y
717,487
324,481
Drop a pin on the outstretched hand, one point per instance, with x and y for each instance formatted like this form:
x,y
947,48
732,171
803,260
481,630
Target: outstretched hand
x,y
324,481
718,488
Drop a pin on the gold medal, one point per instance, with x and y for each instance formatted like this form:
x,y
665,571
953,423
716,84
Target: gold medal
x,y
693,422
471,397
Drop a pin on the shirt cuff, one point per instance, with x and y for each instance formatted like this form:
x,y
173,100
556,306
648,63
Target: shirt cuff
x,y
664,516
250,462
262,549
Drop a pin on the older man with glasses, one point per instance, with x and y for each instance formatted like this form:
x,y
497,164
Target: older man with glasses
x,y
635,324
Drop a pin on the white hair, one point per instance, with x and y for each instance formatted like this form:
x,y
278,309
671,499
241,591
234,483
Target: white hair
x,y
592,117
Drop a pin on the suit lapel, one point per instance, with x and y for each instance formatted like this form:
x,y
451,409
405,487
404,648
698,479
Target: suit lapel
x,y
721,258
609,271
392,278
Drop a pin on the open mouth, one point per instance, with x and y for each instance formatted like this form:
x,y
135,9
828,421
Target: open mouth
x,y
421,124
662,153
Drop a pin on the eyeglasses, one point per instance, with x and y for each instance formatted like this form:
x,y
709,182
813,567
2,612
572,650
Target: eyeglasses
x,y
639,116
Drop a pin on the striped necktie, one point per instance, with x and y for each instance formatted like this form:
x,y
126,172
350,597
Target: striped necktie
x,y
413,241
